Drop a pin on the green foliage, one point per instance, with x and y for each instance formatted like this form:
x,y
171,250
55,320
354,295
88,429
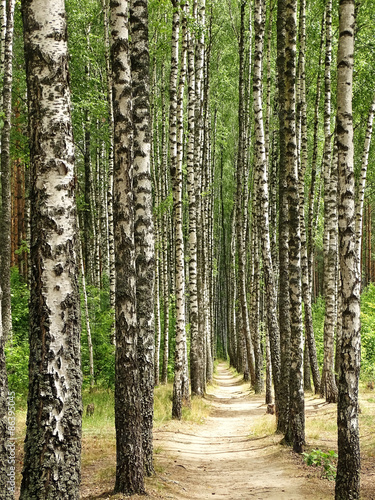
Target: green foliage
x,y
368,332
325,460
104,413
20,307
101,319
318,311
17,360
17,348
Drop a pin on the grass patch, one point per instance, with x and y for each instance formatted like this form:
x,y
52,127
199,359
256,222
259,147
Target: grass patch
x,y
265,425
198,411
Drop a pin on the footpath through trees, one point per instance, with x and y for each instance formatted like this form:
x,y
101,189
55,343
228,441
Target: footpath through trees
x,y
232,456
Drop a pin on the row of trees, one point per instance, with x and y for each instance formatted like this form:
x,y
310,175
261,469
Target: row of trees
x,y
215,185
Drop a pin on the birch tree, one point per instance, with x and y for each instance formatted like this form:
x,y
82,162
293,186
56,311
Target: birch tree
x,y
5,222
5,444
176,176
328,387
143,219
128,396
195,362
53,437
348,466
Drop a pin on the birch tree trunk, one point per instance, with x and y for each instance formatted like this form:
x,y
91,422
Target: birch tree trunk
x,y
164,237
176,176
143,219
110,226
5,222
128,395
328,387
199,145
362,179
242,179
306,285
283,296
312,212
348,466
263,200
53,437
7,402
297,407
195,364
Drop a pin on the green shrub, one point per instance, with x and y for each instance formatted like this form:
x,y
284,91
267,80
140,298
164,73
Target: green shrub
x,y
101,319
318,311
325,460
20,306
368,332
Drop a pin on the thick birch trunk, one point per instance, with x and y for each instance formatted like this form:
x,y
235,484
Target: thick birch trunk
x,y
128,396
348,467
143,219
53,437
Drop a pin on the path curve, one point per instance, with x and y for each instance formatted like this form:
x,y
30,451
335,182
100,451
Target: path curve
x,y
219,459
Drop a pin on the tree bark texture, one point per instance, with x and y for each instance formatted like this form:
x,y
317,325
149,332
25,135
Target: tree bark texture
x,y
282,408
53,437
306,285
7,421
5,222
348,467
195,364
143,219
128,396
328,387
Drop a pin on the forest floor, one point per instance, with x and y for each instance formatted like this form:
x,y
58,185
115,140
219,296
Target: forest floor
x,y
233,455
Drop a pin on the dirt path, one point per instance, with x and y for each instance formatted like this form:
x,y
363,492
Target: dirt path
x,y
221,460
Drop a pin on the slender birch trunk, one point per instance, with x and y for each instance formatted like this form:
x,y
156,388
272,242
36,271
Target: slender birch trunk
x,y
52,462
176,176
199,145
240,205
164,238
328,387
306,285
263,201
283,295
348,466
110,224
7,402
313,198
128,395
195,365
180,152
6,210
362,179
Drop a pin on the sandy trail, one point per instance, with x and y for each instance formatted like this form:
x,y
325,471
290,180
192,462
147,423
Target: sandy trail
x,y
221,460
